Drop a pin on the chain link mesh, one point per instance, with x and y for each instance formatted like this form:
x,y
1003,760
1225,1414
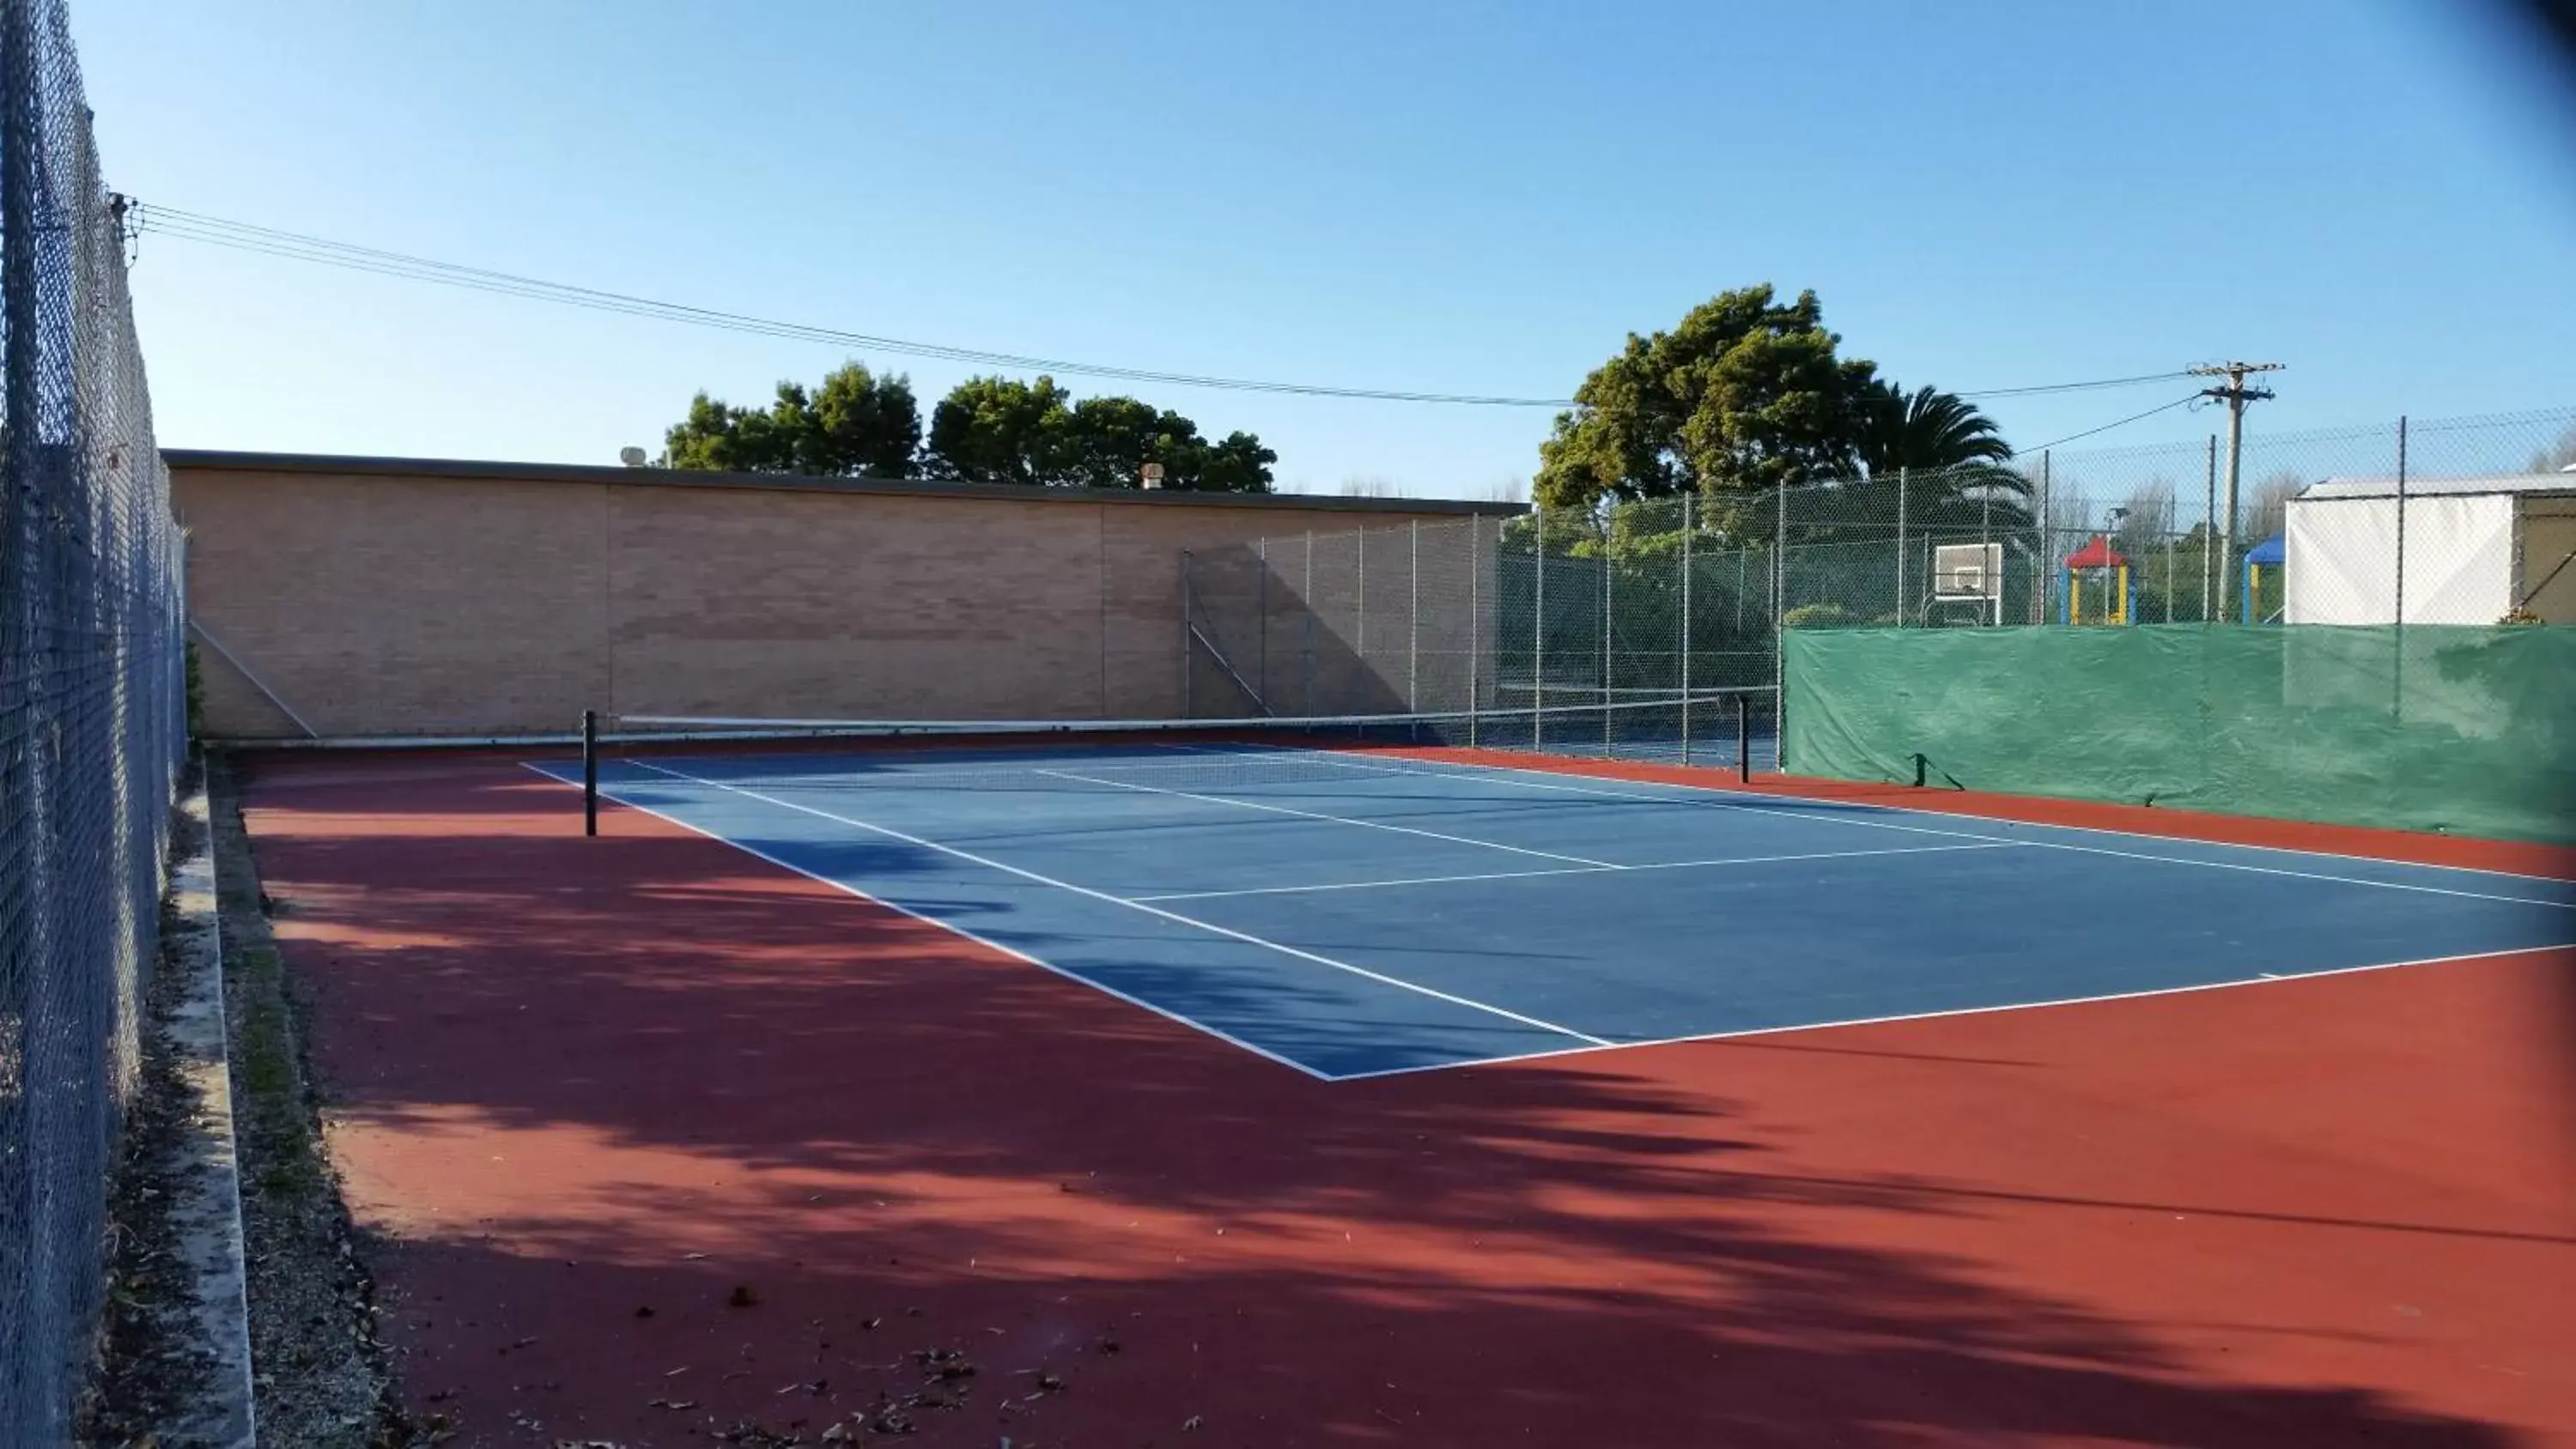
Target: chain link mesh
x,y
92,715
1668,598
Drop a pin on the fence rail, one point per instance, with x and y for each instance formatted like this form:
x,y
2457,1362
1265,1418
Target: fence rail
x,y
92,716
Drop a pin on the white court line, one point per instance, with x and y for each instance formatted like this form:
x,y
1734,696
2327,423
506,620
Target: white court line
x,y
1470,770
1368,885
2266,979
609,793
1501,774
1336,819
1151,910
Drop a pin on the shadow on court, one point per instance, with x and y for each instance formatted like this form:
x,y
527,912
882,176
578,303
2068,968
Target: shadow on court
x,y
655,1140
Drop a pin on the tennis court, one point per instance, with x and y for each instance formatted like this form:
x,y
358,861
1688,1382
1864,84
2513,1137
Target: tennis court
x,y
1363,911
1345,1086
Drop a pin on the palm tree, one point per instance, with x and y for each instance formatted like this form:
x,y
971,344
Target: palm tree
x,y
1936,471
1955,462
1927,430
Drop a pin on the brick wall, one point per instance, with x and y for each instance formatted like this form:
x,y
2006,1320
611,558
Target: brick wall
x,y
384,597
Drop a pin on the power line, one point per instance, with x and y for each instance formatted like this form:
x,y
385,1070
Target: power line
x,y
2050,387
298,246
243,236
2122,423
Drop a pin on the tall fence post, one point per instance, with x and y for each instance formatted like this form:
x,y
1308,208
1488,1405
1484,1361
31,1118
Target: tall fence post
x,y
1475,618
2401,522
1187,712
1359,646
1687,530
2209,540
1985,537
1306,643
1607,667
1538,629
2041,565
1413,619
2397,636
2169,570
590,772
1261,617
1780,625
1903,479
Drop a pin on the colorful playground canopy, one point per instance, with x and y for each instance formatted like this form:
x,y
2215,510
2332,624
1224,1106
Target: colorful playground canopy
x,y
2097,555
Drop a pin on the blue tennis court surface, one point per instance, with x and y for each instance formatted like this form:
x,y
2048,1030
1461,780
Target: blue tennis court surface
x,y
1353,914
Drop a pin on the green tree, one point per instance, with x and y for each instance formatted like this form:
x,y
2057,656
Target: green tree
x,y
1109,440
1002,430
855,424
1235,463
725,439
1745,394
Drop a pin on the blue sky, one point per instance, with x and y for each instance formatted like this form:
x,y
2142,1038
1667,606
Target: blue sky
x,y
1441,197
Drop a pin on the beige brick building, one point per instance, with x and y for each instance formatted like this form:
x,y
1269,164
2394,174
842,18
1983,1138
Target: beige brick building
x,y
375,597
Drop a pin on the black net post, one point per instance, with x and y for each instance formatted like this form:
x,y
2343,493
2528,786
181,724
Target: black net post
x,y
1744,738
590,772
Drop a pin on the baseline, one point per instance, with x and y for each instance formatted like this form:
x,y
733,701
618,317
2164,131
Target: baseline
x,y
2265,979
1849,814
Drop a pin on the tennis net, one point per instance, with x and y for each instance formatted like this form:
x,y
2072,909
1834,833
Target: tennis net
x,y
1722,729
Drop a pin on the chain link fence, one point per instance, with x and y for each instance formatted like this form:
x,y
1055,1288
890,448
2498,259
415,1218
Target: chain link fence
x,y
92,716
1538,632
1609,609
2444,521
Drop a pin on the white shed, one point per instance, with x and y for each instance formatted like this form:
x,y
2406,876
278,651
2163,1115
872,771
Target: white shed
x,y
2475,550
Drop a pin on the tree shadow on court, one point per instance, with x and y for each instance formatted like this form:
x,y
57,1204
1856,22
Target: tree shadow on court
x,y
645,1120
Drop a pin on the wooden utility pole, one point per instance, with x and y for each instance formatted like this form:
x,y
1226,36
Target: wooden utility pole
x,y
2236,395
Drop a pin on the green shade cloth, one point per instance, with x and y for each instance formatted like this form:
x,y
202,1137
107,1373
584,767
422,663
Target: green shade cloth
x,y
2461,730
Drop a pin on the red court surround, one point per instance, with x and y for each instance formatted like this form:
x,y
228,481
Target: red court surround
x,y
571,1081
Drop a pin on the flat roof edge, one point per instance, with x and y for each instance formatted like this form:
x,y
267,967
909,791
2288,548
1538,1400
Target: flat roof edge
x,y
226,461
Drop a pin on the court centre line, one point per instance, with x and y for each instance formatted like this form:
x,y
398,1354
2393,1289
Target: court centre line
x,y
2266,979
1336,819
1503,775
1365,885
1173,916
952,927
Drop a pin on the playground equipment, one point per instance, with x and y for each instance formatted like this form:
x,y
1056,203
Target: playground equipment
x,y
2104,571
2271,553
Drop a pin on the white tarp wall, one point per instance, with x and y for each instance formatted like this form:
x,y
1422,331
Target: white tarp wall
x,y
2340,558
